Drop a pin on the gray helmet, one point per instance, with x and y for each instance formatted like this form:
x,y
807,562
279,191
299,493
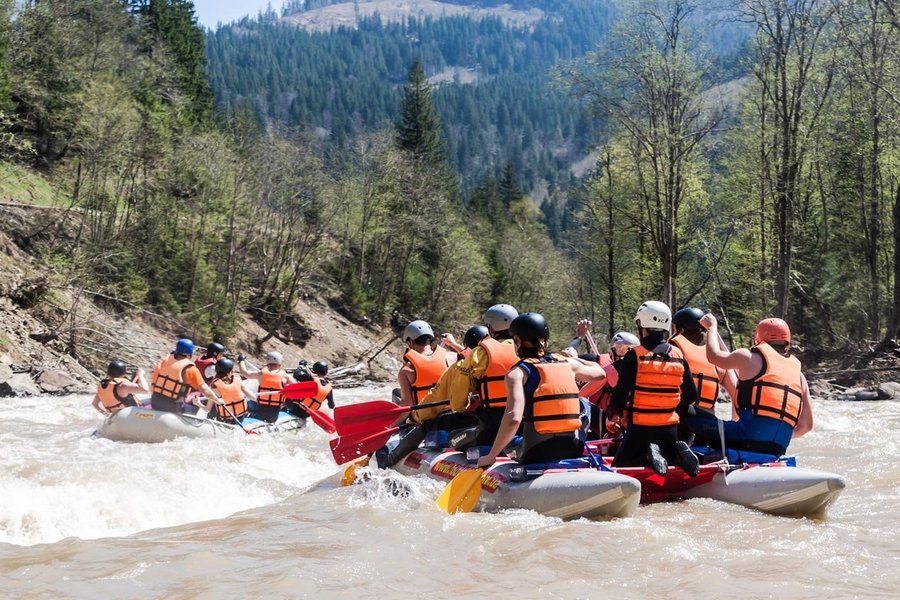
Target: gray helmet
x,y
417,329
624,337
274,358
499,316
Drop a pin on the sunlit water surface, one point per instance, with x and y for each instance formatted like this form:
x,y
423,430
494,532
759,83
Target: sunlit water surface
x,y
90,518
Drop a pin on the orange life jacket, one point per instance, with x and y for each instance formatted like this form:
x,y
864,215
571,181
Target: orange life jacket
x,y
109,397
232,395
428,370
315,403
705,374
657,387
552,407
501,358
777,392
270,381
168,380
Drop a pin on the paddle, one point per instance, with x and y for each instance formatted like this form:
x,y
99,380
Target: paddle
x,y
307,389
238,421
462,493
347,447
350,472
372,416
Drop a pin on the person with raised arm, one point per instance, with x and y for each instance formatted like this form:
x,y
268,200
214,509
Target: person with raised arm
x,y
773,400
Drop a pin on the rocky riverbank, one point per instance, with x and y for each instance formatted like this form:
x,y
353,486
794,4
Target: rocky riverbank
x,y
56,336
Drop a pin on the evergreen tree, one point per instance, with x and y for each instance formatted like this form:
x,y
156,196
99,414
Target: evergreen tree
x,y
509,186
419,127
173,24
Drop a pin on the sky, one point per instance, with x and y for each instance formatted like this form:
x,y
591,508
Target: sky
x,y
210,12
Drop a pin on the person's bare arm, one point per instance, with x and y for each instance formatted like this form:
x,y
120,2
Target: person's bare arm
x,y
512,418
247,393
405,380
805,420
740,360
99,406
586,371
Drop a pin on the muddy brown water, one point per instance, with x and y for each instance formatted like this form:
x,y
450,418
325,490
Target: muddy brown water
x,y
224,518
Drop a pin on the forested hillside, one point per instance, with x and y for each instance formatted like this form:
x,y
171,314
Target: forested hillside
x,y
778,194
345,80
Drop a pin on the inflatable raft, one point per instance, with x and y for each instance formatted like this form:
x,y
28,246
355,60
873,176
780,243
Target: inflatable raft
x,y
564,492
763,482
134,424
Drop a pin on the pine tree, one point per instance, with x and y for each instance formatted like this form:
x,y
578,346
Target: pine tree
x,y
419,127
173,23
509,186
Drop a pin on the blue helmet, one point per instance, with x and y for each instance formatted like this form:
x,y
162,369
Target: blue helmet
x,y
184,346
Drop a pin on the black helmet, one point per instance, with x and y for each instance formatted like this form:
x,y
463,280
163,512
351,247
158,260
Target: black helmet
x,y
116,369
320,367
215,348
687,319
529,326
475,334
224,366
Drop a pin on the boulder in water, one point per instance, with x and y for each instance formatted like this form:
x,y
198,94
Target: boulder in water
x,y
20,384
889,390
53,381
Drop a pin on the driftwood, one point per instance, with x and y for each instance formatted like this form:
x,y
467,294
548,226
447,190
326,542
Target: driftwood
x,y
850,371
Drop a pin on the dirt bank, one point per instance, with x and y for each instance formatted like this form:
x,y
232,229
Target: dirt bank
x,y
56,337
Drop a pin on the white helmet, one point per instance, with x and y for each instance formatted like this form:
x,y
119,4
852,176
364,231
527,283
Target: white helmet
x,y
274,358
417,329
624,337
499,316
654,315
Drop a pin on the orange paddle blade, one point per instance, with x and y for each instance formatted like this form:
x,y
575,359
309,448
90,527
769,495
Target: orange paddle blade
x,y
462,493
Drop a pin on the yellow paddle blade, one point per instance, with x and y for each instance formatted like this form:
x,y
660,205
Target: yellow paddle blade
x,y
462,493
350,472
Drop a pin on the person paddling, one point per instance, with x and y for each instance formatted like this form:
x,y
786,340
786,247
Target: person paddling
x,y
599,393
655,385
542,398
476,383
174,377
231,389
207,362
424,364
272,379
115,391
324,393
690,337
774,404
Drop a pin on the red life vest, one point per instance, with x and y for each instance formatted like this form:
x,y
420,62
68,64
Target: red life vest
x,y
705,374
270,381
428,370
501,358
232,395
599,393
657,387
777,392
202,364
168,380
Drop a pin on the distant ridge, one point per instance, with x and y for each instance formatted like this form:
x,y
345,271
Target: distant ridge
x,y
347,14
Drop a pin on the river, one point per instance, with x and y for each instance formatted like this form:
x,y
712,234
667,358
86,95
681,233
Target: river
x,y
223,518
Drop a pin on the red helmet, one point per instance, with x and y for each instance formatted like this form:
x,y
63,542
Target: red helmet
x,y
772,330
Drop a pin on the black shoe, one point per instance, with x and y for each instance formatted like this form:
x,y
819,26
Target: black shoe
x,y
381,457
656,460
689,461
